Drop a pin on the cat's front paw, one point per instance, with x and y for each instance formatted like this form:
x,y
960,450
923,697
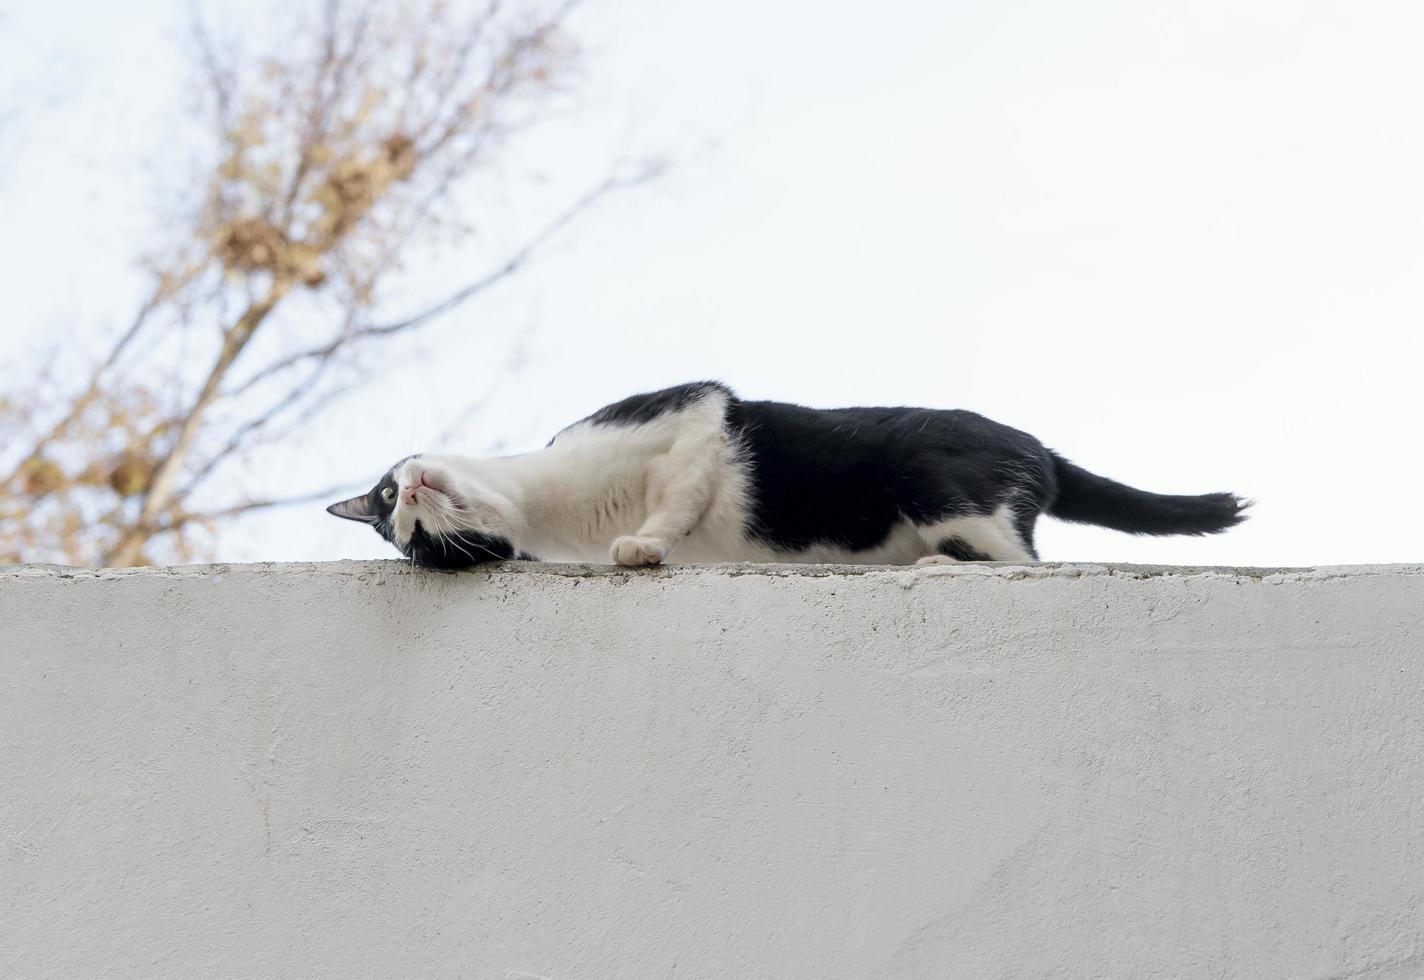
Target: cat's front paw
x,y
633,550
937,560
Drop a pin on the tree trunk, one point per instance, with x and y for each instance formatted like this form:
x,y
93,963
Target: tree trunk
x,y
128,549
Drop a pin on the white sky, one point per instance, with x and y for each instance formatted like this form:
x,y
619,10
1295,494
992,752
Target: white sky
x,y
1181,243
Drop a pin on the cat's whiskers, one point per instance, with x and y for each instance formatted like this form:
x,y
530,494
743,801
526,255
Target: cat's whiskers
x,y
457,518
444,522
439,534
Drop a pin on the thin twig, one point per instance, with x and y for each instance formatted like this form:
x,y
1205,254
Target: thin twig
x,y
516,261
248,506
507,370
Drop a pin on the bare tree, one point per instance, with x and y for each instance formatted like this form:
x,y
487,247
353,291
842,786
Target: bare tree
x,y
328,157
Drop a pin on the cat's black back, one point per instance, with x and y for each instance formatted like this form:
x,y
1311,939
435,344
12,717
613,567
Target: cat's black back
x,y
848,475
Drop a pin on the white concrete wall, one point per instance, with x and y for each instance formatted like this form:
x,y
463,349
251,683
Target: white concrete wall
x,y
357,770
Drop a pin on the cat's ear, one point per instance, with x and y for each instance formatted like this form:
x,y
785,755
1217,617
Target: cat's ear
x,y
355,509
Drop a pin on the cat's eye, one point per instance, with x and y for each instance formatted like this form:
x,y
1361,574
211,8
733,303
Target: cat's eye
x,y
388,494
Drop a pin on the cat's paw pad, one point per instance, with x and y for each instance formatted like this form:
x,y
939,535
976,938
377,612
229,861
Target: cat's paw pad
x,y
937,560
633,550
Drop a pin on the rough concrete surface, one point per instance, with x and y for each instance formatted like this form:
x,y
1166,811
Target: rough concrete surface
x,y
362,770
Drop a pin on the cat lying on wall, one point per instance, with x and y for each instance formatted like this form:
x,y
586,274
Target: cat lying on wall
x,y
696,472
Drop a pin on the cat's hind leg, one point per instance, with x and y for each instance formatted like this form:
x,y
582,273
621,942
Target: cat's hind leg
x,y
997,536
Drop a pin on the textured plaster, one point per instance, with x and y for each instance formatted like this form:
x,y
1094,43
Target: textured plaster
x,y
363,770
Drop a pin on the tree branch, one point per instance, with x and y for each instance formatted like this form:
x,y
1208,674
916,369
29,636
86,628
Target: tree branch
x,y
181,519
217,75
507,369
85,398
248,506
251,428
516,261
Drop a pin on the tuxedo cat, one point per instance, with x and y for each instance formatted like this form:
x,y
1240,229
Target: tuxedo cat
x,y
696,474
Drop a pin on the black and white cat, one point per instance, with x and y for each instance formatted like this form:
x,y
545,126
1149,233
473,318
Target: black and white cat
x,y
694,472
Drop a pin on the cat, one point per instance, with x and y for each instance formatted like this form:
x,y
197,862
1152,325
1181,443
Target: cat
x,y
696,473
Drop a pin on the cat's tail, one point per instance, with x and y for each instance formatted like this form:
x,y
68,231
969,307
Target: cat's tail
x,y
1086,498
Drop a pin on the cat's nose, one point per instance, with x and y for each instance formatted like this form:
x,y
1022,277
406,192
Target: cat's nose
x,y
420,482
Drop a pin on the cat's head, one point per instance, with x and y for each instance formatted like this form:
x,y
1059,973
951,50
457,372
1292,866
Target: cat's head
x,y
436,514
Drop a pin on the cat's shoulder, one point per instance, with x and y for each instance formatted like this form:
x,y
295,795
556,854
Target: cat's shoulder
x,y
652,405
648,407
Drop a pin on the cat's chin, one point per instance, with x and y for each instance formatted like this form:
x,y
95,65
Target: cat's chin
x,y
456,550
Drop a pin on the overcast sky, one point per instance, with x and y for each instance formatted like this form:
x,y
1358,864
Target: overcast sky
x,y
1181,243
